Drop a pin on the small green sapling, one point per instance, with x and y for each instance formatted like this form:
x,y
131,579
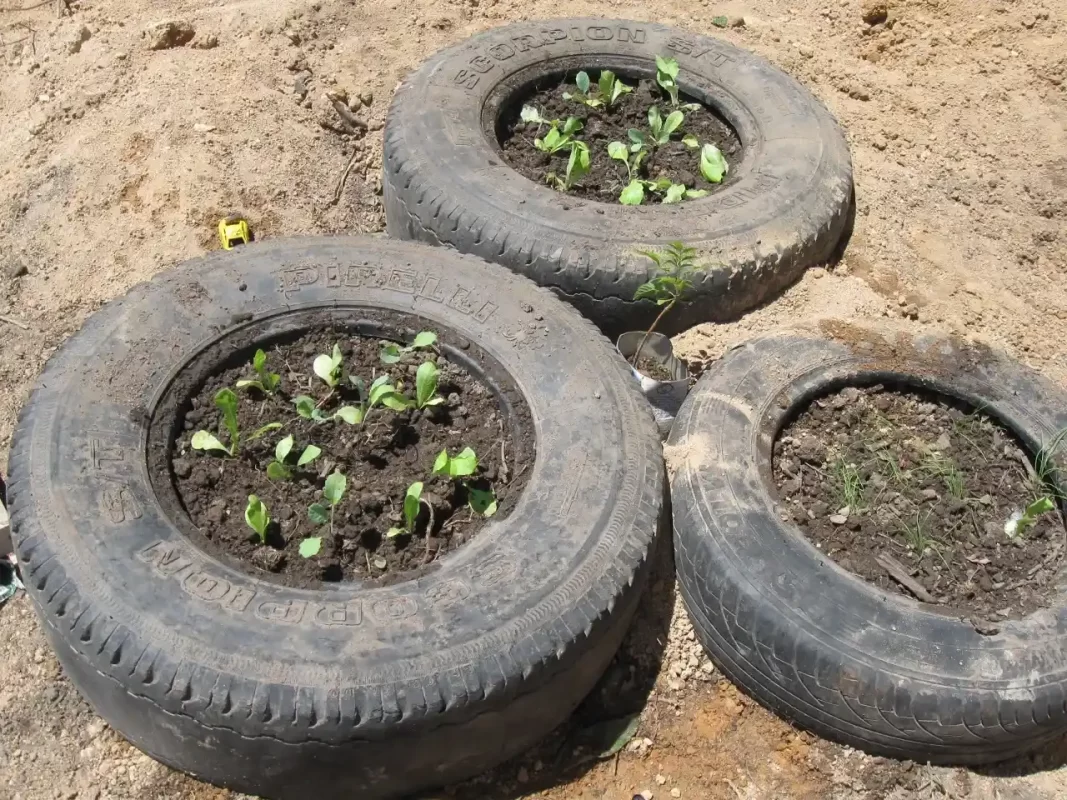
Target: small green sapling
x,y
673,266
426,386
667,78
463,465
257,517
333,491
1021,521
278,469
226,401
328,368
713,164
577,167
381,393
391,352
558,138
265,380
607,91
412,499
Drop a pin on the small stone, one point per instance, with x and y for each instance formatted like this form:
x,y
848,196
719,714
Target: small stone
x,y
875,11
203,127
268,558
208,42
806,51
366,98
985,500
216,513
879,143
661,779
929,494
38,656
169,34
77,38
645,794
737,22
838,519
943,442
676,792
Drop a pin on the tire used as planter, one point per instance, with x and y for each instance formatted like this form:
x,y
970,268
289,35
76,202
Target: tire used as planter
x,y
785,207
348,690
811,640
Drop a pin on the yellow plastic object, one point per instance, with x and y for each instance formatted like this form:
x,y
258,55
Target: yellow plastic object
x,y
233,231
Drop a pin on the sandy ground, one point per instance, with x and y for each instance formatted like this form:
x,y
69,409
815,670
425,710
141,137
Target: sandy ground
x,y
116,161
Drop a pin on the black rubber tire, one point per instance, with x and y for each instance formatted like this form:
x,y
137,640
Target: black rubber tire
x,y
815,643
346,691
445,181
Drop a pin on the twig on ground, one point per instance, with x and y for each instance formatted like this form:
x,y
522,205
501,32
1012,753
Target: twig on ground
x,y
344,177
899,573
350,120
15,322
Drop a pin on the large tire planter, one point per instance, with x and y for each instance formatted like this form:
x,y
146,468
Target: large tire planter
x,y
344,691
814,642
445,181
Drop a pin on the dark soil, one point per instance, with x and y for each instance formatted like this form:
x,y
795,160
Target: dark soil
x,y
928,484
607,176
380,459
653,369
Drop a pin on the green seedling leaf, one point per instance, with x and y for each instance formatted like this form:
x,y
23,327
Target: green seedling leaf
x,y
667,66
398,402
675,193
334,489
462,464
318,514
257,517
226,401
481,501
571,126
247,383
667,77
440,464
310,546
411,505
305,406
390,353
277,471
578,163
260,432
202,440
637,137
581,80
426,385
693,194
282,449
328,368
311,452
353,415
670,125
712,164
720,22
423,340
690,141
655,121
633,194
619,151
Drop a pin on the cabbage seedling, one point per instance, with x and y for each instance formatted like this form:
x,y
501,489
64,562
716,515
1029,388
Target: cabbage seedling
x,y
328,368
266,381
278,469
677,192
557,139
671,282
257,517
426,386
667,78
226,401
381,393
608,90
306,408
412,499
333,491
661,127
392,352
577,168
713,165
462,465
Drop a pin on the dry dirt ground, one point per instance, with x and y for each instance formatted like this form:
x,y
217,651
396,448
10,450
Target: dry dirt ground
x,y
116,160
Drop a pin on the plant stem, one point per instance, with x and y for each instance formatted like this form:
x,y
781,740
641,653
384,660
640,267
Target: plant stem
x,y
651,328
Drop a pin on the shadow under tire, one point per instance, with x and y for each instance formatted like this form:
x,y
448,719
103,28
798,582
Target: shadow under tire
x,y
815,643
346,690
784,209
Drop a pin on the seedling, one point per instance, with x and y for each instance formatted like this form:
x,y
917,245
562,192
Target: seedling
x,y
307,408
1021,521
1048,478
426,386
412,499
917,536
670,283
310,546
278,469
391,353
381,393
633,194
608,90
849,483
333,491
257,517
558,138
577,168
266,381
937,465
226,401
713,165
667,78
462,465
677,192
328,368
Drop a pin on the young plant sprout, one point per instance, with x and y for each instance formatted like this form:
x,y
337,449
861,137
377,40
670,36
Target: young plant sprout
x,y
713,165
265,380
332,492
381,393
226,401
412,499
557,138
667,78
1021,521
577,167
328,368
426,386
308,409
279,470
462,465
608,90
673,266
310,547
257,517
391,353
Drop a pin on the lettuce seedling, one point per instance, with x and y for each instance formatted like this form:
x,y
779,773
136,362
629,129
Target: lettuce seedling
x,y
257,517
667,78
462,465
663,128
278,469
412,499
557,139
266,381
677,192
226,401
577,167
328,368
713,165
608,90
333,492
426,386
392,352
381,393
